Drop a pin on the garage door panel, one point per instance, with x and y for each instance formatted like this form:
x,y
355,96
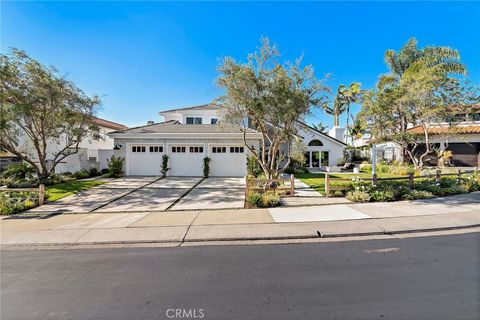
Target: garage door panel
x,y
145,160
186,160
227,162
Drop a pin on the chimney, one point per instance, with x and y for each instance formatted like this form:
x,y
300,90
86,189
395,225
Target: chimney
x,y
337,133
150,122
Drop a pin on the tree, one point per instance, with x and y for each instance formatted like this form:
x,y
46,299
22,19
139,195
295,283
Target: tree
x,y
321,127
40,108
421,87
358,127
342,100
273,97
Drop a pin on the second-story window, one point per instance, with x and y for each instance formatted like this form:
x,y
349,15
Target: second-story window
x,y
194,120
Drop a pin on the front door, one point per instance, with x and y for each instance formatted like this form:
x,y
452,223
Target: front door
x,y
315,159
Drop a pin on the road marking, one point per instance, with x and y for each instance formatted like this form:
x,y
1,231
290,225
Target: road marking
x,y
386,250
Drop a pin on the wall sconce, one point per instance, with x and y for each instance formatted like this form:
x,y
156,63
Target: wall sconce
x,y
117,146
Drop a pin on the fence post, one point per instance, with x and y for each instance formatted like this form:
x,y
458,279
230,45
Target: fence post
x,y
459,173
41,194
374,179
437,175
327,185
292,185
410,179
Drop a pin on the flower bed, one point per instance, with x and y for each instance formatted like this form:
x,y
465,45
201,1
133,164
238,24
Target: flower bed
x,y
15,202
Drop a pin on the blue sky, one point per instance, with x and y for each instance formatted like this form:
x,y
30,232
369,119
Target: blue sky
x,y
144,57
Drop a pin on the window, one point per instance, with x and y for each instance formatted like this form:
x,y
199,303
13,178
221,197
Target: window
x,y
219,149
213,120
194,120
315,143
156,149
236,149
179,149
138,149
196,149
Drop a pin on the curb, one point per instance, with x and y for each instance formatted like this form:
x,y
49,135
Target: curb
x,y
319,235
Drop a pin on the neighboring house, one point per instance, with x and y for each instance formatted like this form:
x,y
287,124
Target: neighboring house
x,y
461,138
93,149
187,135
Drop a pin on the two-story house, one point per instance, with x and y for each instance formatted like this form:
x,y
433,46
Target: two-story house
x,y
188,135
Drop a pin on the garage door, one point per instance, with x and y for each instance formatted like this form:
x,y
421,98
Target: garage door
x,y
144,160
186,160
228,161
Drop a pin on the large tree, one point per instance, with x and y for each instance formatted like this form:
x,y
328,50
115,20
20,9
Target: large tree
x,y
273,97
43,116
420,89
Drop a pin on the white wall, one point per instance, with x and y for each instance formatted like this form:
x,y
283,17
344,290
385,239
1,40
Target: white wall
x,y
334,148
181,116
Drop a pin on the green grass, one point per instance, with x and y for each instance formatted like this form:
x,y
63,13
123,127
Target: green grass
x,y
317,180
61,190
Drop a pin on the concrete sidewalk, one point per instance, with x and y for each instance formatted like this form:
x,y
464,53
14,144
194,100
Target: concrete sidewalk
x,y
461,211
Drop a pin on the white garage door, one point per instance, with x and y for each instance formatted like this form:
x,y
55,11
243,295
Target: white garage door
x,y
228,161
186,160
145,160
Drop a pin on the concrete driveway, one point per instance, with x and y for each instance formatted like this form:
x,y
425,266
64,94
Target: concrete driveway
x,y
144,194
214,193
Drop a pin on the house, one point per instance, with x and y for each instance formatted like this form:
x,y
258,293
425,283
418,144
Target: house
x,y
460,135
91,148
187,135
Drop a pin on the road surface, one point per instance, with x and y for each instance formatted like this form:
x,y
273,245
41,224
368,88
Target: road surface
x,y
414,278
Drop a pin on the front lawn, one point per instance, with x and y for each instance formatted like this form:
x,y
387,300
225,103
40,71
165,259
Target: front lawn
x,y
61,190
317,180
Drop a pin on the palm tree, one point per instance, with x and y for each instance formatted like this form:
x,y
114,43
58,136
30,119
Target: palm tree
x,y
345,96
321,127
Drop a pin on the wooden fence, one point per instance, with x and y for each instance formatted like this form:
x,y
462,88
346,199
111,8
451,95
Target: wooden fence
x,y
40,190
276,185
410,177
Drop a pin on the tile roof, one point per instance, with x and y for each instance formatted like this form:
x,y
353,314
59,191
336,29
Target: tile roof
x,y
461,129
108,124
209,106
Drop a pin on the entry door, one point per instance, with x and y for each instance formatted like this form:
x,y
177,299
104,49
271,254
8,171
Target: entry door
x,y
186,160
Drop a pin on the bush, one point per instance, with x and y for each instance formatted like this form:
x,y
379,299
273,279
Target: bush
x,y
341,162
15,202
206,167
417,194
253,167
104,171
18,172
94,172
82,174
269,199
164,166
358,196
115,166
471,182
385,194
254,199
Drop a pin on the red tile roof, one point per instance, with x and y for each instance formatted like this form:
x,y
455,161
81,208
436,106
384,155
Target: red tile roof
x,y
467,129
108,124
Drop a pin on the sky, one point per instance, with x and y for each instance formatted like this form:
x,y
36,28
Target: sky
x,y
144,57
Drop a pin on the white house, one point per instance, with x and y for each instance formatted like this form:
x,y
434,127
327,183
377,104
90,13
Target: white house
x,y
187,135
93,149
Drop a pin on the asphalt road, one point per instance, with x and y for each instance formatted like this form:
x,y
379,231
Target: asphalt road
x,y
416,278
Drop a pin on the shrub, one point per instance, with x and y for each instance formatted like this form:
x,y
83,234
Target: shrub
x,y
417,194
104,171
115,166
82,174
253,167
18,172
341,162
358,196
15,202
471,182
254,199
164,166
206,167
269,199
93,172
384,194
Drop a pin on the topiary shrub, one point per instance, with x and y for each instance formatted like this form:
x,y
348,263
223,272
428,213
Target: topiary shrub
x,y
164,166
206,167
253,167
358,196
115,166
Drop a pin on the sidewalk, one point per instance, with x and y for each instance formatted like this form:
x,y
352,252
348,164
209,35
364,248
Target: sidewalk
x,y
462,211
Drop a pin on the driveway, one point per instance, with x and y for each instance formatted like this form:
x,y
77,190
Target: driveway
x,y
214,193
143,194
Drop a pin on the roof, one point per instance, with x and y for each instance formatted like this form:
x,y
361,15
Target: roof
x,y
209,106
108,124
322,133
173,126
461,129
